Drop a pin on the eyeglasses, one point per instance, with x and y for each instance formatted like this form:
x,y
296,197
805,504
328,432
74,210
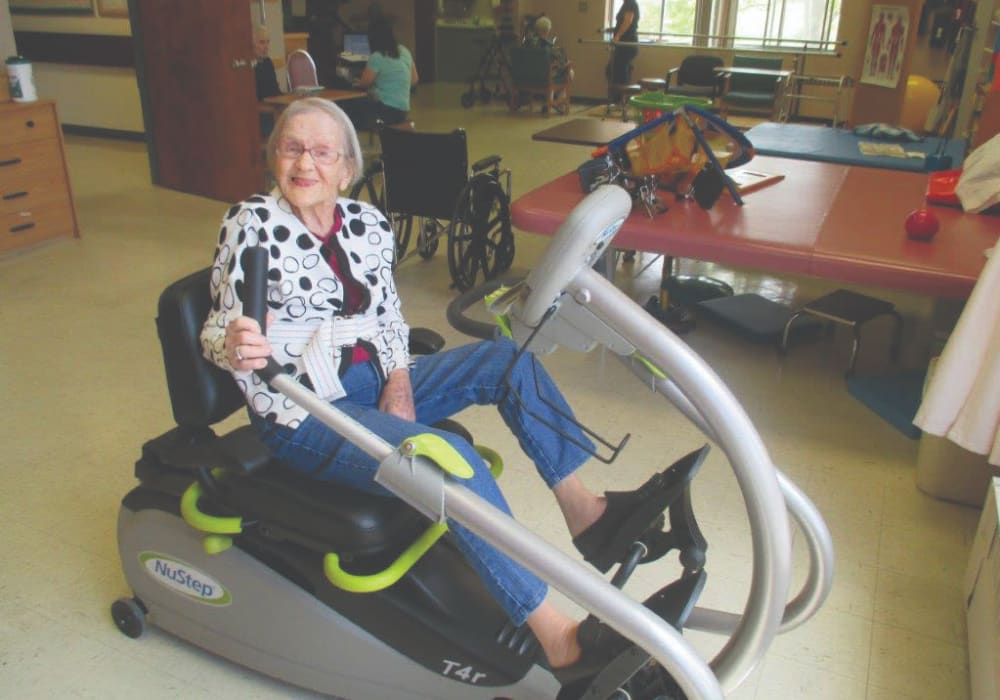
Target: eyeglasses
x,y
323,155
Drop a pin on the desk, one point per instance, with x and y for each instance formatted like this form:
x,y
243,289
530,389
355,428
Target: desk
x,y
824,219
823,143
585,131
279,102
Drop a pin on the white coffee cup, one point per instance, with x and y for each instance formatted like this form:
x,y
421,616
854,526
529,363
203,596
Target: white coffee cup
x,y
22,80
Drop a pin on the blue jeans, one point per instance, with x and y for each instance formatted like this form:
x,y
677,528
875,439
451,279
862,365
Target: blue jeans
x,y
444,384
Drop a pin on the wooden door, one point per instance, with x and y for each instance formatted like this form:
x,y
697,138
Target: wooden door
x,y
193,64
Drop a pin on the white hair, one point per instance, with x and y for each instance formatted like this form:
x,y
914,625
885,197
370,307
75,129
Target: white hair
x,y
317,104
543,25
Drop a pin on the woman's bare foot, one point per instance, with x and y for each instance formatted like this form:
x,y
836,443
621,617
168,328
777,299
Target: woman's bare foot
x,y
579,506
557,635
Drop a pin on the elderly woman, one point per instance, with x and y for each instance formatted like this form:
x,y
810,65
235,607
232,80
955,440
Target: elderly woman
x,y
336,327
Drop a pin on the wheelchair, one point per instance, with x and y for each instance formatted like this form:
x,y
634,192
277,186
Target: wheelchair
x,y
426,176
326,588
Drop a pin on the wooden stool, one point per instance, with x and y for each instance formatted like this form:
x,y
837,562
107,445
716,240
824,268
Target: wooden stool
x,y
619,95
850,309
653,84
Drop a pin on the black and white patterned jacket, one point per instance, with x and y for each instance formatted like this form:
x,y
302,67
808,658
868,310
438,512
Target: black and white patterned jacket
x,y
306,297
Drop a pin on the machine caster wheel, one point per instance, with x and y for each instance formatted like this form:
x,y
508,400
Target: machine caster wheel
x,y
129,617
468,99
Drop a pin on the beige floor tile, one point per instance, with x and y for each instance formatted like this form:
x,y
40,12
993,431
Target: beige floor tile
x,y
787,678
917,665
924,606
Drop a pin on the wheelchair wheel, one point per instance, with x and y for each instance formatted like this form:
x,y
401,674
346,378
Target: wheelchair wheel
x,y
468,99
402,226
480,239
427,238
370,188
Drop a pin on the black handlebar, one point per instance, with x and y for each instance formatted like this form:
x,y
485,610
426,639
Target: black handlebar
x,y
254,263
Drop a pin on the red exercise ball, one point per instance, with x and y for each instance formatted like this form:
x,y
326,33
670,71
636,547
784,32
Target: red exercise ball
x,y
921,224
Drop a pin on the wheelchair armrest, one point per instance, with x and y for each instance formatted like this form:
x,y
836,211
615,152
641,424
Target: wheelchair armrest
x,y
487,162
671,73
424,341
239,451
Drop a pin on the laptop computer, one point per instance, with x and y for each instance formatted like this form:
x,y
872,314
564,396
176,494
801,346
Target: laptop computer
x,y
356,47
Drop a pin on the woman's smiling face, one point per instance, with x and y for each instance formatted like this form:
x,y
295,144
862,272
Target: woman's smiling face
x,y
311,165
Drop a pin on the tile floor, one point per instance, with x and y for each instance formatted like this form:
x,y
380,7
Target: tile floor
x,y
83,388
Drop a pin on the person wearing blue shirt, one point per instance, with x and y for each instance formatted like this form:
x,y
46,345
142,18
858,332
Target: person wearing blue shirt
x,y
388,76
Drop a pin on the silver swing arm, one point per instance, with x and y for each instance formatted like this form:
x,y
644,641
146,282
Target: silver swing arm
x,y
563,301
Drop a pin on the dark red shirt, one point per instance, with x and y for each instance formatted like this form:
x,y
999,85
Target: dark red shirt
x,y
354,292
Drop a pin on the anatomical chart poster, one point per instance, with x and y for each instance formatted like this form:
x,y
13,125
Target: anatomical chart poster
x,y
886,45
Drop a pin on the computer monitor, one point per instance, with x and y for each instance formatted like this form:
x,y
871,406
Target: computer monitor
x,y
357,44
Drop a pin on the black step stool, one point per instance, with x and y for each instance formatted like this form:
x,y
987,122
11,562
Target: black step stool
x,y
850,309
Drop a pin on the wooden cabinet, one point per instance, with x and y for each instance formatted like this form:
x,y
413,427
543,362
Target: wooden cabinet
x,y
35,199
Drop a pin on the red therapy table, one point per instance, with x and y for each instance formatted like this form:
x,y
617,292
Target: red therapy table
x,y
826,220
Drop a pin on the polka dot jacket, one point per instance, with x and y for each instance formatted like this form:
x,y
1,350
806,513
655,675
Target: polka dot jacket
x,y
308,332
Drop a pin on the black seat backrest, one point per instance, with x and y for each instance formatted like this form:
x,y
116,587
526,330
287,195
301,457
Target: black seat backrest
x,y
201,394
413,188
699,70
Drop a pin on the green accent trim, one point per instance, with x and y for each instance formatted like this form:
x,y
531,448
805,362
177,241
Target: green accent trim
x,y
502,320
653,369
217,544
492,458
503,323
440,452
385,578
202,521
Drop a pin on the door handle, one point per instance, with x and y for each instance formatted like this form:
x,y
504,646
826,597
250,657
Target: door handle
x,y
239,63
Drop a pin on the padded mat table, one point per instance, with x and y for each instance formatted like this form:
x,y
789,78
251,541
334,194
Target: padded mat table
x,y
829,145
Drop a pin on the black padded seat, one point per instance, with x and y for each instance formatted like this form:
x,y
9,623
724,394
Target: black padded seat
x,y
327,516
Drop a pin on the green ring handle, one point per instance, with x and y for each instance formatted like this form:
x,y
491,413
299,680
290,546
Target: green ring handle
x,y
383,579
202,521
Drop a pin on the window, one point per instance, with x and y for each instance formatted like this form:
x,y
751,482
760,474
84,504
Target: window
x,y
776,24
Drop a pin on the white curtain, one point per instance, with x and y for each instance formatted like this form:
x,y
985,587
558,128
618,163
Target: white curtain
x,y
962,401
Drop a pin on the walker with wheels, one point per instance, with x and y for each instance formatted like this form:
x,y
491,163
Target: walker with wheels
x,y
332,590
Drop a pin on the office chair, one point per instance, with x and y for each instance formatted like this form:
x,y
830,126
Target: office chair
x,y
301,70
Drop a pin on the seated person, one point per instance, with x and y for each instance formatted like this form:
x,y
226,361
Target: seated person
x,y
389,76
263,69
315,156
540,39
265,79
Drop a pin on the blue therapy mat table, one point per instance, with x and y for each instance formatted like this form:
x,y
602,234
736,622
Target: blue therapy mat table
x,y
829,145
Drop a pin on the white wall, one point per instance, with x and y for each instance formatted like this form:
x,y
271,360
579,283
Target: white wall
x,y
7,47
